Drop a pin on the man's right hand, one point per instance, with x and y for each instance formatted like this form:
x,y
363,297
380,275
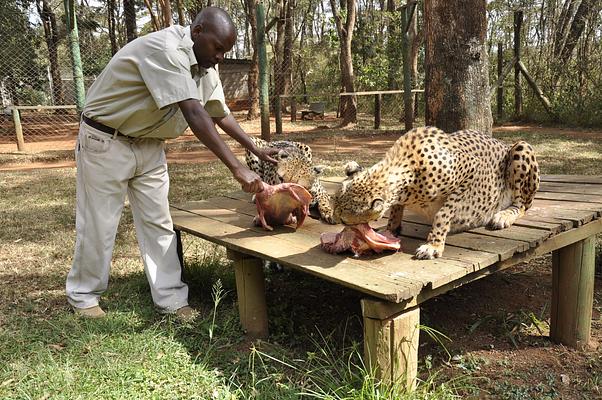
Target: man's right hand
x,y
249,180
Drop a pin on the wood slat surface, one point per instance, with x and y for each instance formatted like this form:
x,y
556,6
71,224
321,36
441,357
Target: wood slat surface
x,y
564,204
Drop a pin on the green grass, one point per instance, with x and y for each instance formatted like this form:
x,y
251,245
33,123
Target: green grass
x,y
47,352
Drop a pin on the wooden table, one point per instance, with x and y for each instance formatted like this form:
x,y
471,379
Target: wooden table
x,y
564,220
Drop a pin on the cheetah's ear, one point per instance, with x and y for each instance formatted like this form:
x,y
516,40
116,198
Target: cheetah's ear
x,y
352,168
318,169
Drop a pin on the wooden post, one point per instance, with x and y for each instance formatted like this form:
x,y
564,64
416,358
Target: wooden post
x,y
544,100
179,249
264,101
278,114
518,97
500,86
573,268
377,110
18,129
293,109
391,346
250,289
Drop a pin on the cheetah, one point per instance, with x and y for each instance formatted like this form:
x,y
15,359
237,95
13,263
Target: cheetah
x,y
294,166
458,181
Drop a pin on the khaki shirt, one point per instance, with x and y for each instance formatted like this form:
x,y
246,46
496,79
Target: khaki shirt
x,y
138,91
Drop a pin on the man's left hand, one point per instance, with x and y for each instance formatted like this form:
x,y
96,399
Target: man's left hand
x,y
268,154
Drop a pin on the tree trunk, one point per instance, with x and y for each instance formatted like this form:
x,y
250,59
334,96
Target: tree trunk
x,y
253,78
129,12
456,65
52,42
392,47
111,26
165,6
154,21
180,7
577,25
345,32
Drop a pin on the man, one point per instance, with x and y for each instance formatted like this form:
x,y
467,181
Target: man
x,y
152,89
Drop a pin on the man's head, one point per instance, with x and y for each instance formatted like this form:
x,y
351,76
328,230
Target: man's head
x,y
213,34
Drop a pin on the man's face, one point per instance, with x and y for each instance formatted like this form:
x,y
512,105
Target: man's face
x,y
210,45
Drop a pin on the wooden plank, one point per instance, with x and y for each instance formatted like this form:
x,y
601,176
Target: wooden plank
x,y
570,197
572,205
232,231
578,188
577,217
549,224
515,232
593,179
504,248
433,273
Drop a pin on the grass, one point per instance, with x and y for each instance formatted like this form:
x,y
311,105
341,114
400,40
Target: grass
x,y
47,352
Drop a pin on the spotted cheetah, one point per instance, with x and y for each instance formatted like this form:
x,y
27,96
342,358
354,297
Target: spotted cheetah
x,y
294,166
458,181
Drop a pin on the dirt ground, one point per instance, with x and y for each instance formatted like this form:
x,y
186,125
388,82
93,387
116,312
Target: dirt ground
x,y
186,149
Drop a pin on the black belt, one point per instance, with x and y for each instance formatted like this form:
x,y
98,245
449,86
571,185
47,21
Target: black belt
x,y
101,127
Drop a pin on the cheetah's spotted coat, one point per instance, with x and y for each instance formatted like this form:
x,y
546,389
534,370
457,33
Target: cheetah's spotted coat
x,y
459,181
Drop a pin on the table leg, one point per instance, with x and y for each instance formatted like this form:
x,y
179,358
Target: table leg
x,y
179,249
391,345
573,293
250,289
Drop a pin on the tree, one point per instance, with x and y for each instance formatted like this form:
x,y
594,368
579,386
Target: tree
x,y
51,35
456,65
345,33
253,78
129,12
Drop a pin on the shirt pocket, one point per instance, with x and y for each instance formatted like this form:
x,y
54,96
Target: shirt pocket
x,y
96,144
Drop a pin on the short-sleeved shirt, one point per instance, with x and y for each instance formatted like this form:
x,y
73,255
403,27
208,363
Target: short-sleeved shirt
x,y
138,91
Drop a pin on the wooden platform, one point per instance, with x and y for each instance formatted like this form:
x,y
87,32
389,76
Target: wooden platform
x,y
564,219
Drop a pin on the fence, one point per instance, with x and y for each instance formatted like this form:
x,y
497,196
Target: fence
x,y
38,92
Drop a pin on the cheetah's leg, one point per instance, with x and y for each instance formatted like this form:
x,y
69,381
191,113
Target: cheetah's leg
x,y
394,224
522,176
435,241
324,202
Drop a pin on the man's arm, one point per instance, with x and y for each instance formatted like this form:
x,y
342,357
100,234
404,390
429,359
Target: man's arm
x,y
234,130
203,128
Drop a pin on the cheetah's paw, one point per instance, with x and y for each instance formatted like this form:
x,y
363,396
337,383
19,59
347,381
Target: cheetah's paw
x,y
428,252
501,220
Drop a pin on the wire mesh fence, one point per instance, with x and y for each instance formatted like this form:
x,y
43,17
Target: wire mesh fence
x,y
38,89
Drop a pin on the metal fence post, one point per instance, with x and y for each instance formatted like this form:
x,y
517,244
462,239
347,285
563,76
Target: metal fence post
x,y
264,101
76,61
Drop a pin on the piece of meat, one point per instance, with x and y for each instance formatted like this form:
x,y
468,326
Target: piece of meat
x,y
361,239
282,204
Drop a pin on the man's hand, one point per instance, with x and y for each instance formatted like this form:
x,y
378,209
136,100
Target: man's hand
x,y
267,154
249,180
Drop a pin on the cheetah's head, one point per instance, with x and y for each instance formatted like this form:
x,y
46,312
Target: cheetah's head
x,y
362,198
295,167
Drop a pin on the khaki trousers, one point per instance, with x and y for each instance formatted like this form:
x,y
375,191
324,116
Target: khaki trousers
x,y
108,167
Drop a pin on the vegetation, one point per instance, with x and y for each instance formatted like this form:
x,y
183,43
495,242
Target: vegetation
x,y
561,47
